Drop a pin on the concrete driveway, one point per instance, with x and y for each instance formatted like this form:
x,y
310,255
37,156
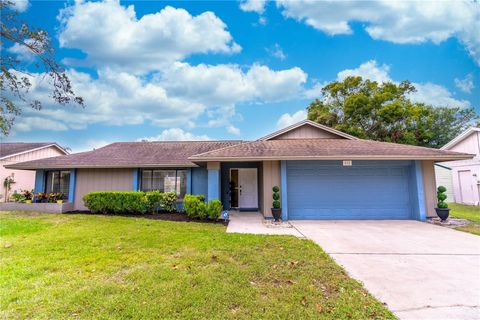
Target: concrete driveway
x,y
421,271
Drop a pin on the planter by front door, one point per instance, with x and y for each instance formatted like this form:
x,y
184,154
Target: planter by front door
x,y
245,187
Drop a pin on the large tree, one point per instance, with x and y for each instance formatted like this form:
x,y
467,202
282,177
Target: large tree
x,y
384,112
19,37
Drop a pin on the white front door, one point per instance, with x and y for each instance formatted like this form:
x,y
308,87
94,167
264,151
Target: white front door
x,y
247,188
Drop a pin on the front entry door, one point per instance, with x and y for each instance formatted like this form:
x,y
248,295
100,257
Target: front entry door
x,y
247,188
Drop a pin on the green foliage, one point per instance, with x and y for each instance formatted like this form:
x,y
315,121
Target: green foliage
x,y
384,112
116,202
195,206
441,189
153,200
17,197
442,205
214,209
441,196
276,204
276,197
169,202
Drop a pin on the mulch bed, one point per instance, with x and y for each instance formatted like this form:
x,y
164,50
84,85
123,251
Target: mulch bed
x,y
167,216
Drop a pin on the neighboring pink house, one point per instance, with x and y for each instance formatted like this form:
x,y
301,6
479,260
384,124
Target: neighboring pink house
x,y
15,152
465,174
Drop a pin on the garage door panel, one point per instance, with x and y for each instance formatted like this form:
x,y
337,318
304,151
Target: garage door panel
x,y
319,191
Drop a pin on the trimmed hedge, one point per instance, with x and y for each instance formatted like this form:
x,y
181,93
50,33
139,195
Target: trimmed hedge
x,y
130,201
116,202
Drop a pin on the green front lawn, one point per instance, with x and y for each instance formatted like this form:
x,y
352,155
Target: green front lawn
x,y
471,213
88,266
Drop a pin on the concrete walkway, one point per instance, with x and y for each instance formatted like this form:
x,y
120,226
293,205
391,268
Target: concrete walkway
x,y
253,222
421,271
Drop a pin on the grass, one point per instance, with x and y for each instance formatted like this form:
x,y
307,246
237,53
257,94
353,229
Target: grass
x,y
470,213
102,267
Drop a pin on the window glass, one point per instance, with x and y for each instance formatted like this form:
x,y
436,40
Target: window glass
x,y
58,181
165,181
147,180
181,183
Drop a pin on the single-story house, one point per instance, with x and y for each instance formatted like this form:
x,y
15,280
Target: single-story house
x,y
462,176
322,173
14,152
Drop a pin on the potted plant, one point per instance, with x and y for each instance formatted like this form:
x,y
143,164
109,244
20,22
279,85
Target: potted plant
x,y
7,184
28,195
276,210
442,207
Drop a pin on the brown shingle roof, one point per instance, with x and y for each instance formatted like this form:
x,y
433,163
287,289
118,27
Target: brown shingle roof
x,y
130,155
325,149
11,148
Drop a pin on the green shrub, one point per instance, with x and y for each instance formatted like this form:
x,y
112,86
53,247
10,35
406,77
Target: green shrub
x,y
441,196
195,206
116,201
276,197
441,189
214,209
154,200
169,202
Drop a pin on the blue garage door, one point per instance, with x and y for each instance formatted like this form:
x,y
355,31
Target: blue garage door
x,y
365,190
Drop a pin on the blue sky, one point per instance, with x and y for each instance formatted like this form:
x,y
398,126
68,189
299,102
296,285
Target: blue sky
x,y
238,70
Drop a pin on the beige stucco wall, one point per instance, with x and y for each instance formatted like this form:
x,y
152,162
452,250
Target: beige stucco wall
x,y
307,132
88,180
24,179
429,187
270,178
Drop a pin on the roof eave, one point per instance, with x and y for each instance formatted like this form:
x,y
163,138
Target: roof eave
x,y
336,157
18,166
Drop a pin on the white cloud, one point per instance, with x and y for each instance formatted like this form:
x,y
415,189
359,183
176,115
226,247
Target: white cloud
x,y
233,130
177,97
111,34
466,85
395,21
225,85
115,98
257,6
21,5
30,123
277,52
428,93
368,70
288,119
176,134
436,95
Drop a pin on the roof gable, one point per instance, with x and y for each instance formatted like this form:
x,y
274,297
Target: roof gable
x,y
11,149
464,135
307,129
